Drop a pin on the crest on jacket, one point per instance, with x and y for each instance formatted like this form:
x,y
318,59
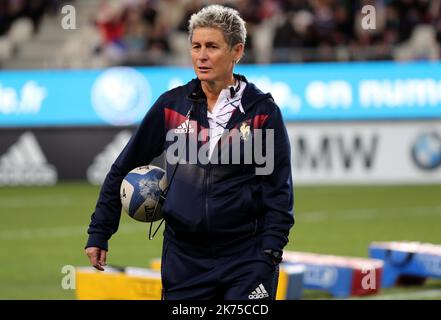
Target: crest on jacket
x,y
244,131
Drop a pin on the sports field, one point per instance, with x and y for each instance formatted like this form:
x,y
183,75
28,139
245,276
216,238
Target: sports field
x,y
44,228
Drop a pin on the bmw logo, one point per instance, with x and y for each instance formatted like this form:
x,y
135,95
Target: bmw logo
x,y
426,151
121,96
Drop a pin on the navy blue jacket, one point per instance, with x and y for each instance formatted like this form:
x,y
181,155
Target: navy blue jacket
x,y
218,208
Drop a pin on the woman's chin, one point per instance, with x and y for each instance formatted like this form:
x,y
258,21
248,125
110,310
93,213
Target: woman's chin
x,y
204,77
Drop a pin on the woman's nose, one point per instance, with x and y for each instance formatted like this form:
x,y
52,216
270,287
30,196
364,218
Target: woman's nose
x,y
203,54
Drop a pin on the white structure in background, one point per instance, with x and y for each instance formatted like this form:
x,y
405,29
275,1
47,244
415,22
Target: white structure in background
x,y
24,163
98,170
366,152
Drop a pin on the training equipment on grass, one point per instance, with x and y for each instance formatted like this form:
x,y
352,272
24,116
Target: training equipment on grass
x,y
132,283
340,276
290,285
407,262
126,283
141,191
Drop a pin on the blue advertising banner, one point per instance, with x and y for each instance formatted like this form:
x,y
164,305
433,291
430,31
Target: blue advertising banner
x,y
121,96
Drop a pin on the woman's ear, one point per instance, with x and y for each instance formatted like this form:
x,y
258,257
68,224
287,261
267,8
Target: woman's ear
x,y
238,51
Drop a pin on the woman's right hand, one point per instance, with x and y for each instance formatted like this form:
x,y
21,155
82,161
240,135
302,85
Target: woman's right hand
x,y
97,257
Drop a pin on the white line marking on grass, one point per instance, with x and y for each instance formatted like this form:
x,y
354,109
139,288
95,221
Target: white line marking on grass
x,y
306,217
314,216
60,232
370,213
407,295
36,202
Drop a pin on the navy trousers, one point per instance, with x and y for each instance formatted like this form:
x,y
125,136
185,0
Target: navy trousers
x,y
247,275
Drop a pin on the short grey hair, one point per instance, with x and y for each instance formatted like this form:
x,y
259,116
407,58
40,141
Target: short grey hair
x,y
223,18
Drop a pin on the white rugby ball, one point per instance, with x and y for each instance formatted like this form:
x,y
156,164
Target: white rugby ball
x,y
140,191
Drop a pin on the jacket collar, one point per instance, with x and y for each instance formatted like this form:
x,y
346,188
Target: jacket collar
x,y
250,96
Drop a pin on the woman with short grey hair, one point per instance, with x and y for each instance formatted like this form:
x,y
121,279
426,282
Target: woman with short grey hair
x,y
226,224
217,37
225,19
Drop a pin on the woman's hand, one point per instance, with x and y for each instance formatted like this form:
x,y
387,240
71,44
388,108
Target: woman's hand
x,y
97,257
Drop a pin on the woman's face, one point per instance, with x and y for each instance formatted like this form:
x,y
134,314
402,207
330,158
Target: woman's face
x,y
211,56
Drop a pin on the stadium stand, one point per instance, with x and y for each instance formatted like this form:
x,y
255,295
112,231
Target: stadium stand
x,y
152,32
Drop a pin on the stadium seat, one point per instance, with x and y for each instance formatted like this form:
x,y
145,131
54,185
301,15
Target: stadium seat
x,y
6,48
21,30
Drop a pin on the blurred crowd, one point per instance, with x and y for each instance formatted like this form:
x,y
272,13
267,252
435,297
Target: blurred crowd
x,y
146,32
279,30
335,29
13,10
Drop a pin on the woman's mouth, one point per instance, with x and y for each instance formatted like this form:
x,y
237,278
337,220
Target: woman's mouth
x,y
204,69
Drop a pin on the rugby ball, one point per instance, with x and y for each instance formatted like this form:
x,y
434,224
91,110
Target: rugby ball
x,y
140,192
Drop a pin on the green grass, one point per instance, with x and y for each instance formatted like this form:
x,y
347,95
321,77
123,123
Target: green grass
x,y
43,229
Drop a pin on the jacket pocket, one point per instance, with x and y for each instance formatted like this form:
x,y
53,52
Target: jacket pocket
x,y
267,259
252,202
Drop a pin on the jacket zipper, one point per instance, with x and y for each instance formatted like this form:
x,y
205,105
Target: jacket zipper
x,y
207,186
207,174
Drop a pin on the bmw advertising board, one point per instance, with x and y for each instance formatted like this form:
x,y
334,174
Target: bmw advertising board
x,y
366,152
322,153
426,150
